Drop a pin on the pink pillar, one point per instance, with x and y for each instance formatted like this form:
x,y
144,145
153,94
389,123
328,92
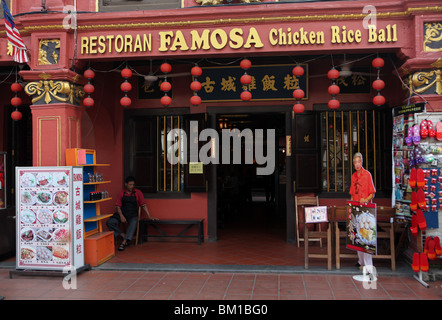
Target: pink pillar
x,y
56,115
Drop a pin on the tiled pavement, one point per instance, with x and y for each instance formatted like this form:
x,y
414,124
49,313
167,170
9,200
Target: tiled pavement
x,y
253,263
151,285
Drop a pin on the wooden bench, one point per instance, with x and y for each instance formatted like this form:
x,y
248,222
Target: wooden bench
x,y
385,230
319,235
144,232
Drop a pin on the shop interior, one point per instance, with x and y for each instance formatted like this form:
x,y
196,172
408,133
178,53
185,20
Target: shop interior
x,y
247,202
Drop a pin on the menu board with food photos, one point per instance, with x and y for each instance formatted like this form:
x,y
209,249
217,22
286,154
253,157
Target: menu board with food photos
x,y
49,202
361,227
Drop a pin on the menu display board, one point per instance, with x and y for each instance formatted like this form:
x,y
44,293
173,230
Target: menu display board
x,y
361,227
49,202
315,214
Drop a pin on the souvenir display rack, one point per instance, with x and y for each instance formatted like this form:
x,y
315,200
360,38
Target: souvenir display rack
x,y
417,143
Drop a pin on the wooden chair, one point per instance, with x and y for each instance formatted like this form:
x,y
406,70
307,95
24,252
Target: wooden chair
x,y
385,230
340,216
319,234
306,200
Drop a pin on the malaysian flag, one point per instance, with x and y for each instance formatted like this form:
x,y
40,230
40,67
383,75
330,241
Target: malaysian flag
x,y
14,37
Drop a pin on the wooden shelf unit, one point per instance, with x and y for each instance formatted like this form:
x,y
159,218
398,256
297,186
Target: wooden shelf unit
x,y
99,244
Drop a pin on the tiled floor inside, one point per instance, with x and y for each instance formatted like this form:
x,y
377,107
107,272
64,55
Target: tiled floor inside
x,y
254,262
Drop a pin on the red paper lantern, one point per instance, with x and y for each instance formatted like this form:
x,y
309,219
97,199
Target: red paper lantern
x,y
298,108
126,73
334,89
298,71
246,79
126,86
195,100
245,64
16,87
379,100
125,101
298,94
89,74
334,104
16,101
195,86
333,74
165,86
16,115
88,102
89,88
166,67
246,96
196,71
166,100
378,84
377,63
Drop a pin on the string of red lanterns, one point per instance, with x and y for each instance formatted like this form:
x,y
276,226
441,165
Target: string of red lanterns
x,y
166,86
16,101
333,89
89,88
298,93
195,85
246,79
126,87
378,84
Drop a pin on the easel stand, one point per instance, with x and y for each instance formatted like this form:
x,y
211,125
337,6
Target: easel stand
x,y
418,276
45,273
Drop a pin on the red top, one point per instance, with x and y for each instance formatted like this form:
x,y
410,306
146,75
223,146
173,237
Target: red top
x,y
362,185
136,193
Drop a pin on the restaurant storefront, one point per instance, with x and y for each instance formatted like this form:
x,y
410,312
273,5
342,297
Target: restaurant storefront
x,y
149,44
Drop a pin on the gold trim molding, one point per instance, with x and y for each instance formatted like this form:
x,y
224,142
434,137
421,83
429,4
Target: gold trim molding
x,y
47,90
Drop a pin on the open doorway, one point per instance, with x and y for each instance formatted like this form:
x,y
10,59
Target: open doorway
x,y
249,204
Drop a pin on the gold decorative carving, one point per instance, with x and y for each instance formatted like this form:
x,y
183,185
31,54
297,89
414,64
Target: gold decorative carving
x,y
433,36
44,50
421,82
10,50
48,89
209,2
437,64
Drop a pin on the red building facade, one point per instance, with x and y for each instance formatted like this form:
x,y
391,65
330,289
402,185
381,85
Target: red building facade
x,y
113,35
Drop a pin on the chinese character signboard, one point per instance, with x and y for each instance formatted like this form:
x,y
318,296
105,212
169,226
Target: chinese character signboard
x,y
275,82
361,227
358,82
49,202
151,90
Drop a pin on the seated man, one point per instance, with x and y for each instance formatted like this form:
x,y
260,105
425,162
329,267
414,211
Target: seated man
x,y
127,203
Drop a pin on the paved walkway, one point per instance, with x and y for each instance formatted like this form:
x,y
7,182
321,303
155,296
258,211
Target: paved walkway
x,y
168,285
